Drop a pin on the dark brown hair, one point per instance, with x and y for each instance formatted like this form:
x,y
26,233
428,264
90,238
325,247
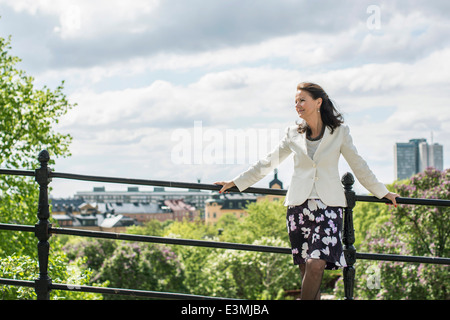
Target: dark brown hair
x,y
330,116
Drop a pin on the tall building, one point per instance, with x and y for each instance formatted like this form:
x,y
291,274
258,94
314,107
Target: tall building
x,y
415,156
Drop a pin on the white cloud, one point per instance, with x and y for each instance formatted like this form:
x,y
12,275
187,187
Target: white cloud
x,y
134,121
84,18
138,70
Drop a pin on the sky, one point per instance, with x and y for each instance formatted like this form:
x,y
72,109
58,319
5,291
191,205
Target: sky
x,y
189,90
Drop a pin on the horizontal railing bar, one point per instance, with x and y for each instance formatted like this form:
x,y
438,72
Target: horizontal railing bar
x,y
400,258
17,227
175,241
18,283
163,183
202,186
216,244
133,292
400,200
15,172
105,290
213,187
234,246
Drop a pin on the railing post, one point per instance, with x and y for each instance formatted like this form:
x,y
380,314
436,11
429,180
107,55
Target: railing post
x,y
42,177
349,236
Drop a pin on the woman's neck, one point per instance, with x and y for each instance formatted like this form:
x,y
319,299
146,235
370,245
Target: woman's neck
x,y
316,127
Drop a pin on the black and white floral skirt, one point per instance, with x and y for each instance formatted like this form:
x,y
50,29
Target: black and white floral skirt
x,y
315,232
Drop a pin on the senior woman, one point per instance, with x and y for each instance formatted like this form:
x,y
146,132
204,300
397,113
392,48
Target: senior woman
x,y
315,198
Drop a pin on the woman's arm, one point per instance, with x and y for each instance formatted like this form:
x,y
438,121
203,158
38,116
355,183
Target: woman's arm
x,y
261,168
361,170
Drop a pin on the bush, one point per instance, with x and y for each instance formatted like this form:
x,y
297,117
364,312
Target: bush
x,y
142,266
60,270
251,275
411,230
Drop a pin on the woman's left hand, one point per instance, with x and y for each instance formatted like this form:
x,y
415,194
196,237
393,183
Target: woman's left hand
x,y
391,196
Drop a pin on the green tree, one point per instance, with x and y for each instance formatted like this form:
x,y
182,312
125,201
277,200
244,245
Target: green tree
x,y
190,230
411,230
251,274
367,218
28,116
92,251
151,228
142,266
265,219
427,225
23,267
27,126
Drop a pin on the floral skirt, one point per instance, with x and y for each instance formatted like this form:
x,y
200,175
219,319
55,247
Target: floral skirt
x,y
315,231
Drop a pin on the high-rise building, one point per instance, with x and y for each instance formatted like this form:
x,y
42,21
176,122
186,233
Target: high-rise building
x,y
415,156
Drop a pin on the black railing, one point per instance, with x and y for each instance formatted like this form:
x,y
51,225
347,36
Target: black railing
x,y
43,230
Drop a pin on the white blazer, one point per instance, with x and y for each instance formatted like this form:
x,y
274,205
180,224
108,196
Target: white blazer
x,y
321,170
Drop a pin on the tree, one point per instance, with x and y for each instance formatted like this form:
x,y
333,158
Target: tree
x,y
265,219
251,275
368,217
26,268
411,230
428,226
28,116
142,266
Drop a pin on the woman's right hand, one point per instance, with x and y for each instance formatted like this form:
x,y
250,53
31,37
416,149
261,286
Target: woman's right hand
x,y
225,185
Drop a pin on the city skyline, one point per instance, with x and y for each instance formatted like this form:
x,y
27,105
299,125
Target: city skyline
x,y
142,72
416,156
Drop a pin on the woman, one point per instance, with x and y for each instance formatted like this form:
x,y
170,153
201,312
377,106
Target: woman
x,y
315,198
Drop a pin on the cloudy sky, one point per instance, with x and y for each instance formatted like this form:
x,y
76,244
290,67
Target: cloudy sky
x,y
164,87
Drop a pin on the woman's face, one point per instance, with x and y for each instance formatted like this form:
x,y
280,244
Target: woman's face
x,y
306,107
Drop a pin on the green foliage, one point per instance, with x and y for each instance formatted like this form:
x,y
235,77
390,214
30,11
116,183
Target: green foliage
x,y
414,231
428,226
95,251
144,267
18,205
150,228
235,273
190,230
367,218
251,275
197,270
129,265
24,267
28,116
264,219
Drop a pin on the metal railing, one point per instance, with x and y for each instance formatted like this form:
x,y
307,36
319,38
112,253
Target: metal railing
x,y
44,229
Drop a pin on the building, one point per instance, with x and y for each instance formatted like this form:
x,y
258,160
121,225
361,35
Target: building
x,y
221,204
91,219
415,156
192,197
275,183
117,216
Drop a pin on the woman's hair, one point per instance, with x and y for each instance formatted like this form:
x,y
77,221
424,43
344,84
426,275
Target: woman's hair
x,y
330,116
